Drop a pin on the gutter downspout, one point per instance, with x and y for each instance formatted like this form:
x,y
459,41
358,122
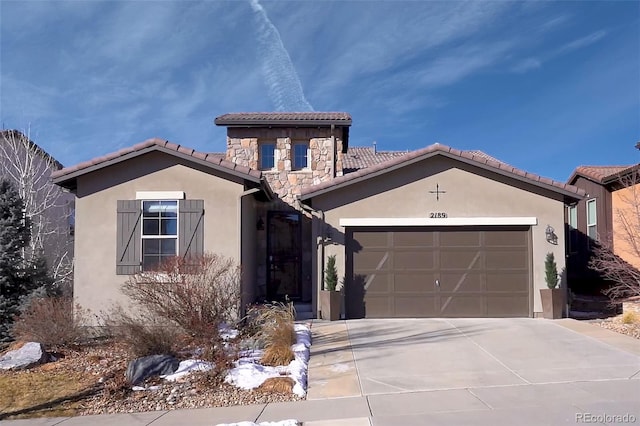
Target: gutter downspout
x,y
239,218
333,151
319,243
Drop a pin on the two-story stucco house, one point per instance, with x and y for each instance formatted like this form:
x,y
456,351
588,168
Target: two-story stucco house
x,y
608,214
431,233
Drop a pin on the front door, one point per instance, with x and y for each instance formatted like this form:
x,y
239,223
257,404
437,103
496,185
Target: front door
x,y
284,255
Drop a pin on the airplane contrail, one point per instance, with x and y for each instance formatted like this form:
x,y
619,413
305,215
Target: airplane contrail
x,y
283,84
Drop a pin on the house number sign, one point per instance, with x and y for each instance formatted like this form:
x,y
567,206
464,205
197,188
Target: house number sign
x,y
437,215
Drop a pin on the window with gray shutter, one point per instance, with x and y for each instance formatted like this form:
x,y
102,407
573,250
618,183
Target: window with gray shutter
x,y
191,224
128,239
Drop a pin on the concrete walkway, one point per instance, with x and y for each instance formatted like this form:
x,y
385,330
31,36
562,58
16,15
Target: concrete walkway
x,y
344,355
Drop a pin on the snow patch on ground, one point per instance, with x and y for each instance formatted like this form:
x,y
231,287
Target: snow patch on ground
x,y
280,423
248,374
188,366
340,368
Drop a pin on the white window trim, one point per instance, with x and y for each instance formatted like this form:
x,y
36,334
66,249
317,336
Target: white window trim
x,y
293,156
573,209
160,195
595,222
449,221
158,237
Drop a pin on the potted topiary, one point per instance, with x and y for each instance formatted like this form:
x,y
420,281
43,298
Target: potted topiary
x,y
329,297
552,297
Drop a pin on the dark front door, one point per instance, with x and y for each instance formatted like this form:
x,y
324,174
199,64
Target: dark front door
x,y
284,254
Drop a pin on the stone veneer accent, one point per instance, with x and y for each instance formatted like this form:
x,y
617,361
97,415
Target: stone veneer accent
x,y
243,149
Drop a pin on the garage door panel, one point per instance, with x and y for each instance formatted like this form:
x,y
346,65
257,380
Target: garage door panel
x,y
418,283
414,260
507,259
460,239
472,281
507,281
457,305
415,305
506,239
378,307
371,261
413,239
380,282
508,305
460,259
371,239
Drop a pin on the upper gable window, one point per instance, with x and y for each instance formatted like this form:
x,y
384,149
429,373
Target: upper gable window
x,y
592,221
267,156
300,156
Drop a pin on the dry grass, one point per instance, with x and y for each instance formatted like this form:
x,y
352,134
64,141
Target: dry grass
x,y
274,323
42,391
277,385
630,318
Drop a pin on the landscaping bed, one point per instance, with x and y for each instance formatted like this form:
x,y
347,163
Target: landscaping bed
x,y
622,324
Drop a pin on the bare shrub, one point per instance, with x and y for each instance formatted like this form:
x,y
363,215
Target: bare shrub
x,y
274,326
625,278
277,385
142,334
196,293
52,321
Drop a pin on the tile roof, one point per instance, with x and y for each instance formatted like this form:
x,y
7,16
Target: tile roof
x,y
472,157
283,118
215,160
360,157
600,174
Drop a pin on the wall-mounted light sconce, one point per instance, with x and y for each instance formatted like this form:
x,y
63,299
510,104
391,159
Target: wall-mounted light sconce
x,y
260,224
550,233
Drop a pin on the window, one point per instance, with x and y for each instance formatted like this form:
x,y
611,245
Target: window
x,y
300,156
572,215
592,230
150,230
159,232
267,156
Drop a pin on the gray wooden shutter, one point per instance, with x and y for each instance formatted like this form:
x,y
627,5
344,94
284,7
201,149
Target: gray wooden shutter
x,y
191,228
128,242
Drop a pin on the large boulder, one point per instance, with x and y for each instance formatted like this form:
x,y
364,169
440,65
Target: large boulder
x,y
28,355
154,365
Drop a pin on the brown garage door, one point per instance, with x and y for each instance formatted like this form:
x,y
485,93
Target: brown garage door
x,y
438,272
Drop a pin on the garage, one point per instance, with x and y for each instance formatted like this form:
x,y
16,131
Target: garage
x,y
453,271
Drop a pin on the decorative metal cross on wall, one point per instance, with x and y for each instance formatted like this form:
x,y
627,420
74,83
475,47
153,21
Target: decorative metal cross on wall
x,y
438,192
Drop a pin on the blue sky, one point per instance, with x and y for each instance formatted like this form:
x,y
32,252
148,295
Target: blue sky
x,y
544,86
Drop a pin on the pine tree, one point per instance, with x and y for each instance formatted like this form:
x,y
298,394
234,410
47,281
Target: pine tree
x,y
551,271
14,237
331,274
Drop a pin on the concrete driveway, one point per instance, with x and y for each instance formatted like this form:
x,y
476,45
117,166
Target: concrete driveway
x,y
490,371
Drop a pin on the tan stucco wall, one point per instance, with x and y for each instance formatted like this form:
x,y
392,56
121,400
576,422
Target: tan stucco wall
x,y
96,284
470,192
626,223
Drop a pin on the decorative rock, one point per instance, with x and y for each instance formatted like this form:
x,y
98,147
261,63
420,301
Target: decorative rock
x,y
30,354
154,365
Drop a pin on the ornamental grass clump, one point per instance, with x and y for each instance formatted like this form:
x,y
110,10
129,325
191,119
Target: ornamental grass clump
x,y
275,325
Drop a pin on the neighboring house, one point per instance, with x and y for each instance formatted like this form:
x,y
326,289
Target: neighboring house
x,y
49,208
608,214
429,233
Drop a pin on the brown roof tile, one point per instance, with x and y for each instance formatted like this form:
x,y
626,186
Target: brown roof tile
x,y
401,160
283,118
359,157
215,159
598,173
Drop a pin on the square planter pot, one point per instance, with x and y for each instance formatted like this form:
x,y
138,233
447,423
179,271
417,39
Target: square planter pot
x,y
330,302
552,302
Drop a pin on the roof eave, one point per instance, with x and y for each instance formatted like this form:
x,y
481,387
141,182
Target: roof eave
x,y
68,180
565,193
281,123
